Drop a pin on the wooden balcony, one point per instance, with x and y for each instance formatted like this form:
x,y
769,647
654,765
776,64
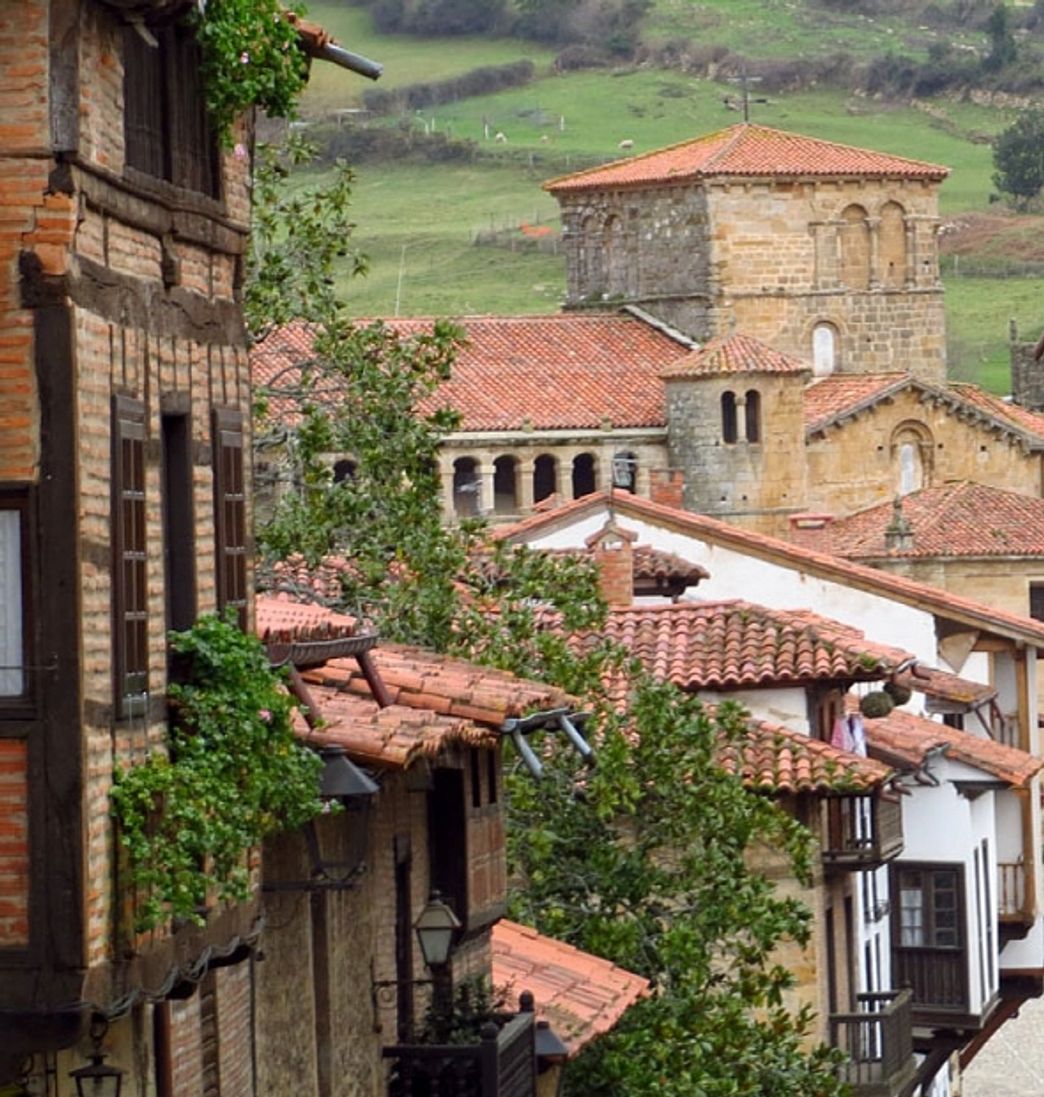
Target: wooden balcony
x,y
878,1040
1011,892
939,981
501,1064
861,831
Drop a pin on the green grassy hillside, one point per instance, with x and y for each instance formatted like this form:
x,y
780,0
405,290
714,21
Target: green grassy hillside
x,y
419,222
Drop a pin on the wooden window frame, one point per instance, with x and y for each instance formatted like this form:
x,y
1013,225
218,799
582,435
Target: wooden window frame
x,y
929,929
18,499
167,133
231,541
130,558
179,555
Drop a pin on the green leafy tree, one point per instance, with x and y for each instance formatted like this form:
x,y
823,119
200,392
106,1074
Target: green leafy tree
x,y
1018,156
1003,49
641,860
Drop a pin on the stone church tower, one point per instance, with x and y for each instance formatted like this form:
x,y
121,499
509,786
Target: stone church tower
x,y
735,423
822,251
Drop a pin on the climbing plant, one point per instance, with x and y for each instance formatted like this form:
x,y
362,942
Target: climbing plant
x,y
233,773
251,57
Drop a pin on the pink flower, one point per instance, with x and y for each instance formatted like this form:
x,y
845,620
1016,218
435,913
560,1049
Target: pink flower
x,y
244,58
240,151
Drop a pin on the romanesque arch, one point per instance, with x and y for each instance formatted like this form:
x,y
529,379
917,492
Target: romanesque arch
x,y
855,248
505,485
584,479
466,487
752,415
545,477
729,420
825,344
912,448
891,245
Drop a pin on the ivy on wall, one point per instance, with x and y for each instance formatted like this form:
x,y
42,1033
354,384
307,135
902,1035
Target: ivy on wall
x,y
251,57
234,773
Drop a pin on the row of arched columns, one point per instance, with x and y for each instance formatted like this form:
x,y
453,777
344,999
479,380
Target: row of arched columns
x,y
508,484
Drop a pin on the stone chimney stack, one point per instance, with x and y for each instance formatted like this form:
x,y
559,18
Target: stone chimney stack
x,y
613,550
811,531
667,486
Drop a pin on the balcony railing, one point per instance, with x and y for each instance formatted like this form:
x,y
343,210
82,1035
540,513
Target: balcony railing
x,y
878,1040
938,977
861,831
502,1063
1011,892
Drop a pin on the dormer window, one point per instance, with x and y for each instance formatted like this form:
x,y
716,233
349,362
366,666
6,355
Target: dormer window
x,y
167,133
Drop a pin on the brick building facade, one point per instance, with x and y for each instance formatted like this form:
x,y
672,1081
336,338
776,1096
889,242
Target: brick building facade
x,y
124,498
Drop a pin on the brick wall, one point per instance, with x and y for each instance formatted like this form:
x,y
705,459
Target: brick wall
x,y
14,844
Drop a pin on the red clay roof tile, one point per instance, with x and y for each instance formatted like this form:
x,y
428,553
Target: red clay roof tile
x,y
569,370
735,644
746,150
903,738
281,618
943,686
932,599
582,996
421,679
734,354
959,518
771,758
392,737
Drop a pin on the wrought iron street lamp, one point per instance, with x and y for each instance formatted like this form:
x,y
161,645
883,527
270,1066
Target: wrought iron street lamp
x,y
98,1079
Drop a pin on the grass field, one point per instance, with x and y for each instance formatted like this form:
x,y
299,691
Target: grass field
x,y
418,222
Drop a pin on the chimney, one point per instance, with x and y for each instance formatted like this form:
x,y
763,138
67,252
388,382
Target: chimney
x,y
667,486
811,531
898,535
613,550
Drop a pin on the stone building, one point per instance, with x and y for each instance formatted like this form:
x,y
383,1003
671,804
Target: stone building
x,y
124,500
822,251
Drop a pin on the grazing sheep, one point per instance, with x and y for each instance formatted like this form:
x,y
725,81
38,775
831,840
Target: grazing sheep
x,y
501,137
627,143
544,139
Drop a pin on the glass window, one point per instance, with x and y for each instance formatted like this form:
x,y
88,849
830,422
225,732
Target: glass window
x,y
12,635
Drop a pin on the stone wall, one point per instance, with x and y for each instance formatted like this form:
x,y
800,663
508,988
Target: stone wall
x,y
857,465
757,484
772,259
1027,376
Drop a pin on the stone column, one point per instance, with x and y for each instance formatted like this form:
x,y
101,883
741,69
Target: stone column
x,y
485,499
525,484
874,274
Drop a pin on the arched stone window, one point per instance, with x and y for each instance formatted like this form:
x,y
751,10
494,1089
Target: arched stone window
x,y
855,248
891,245
545,477
752,415
912,448
824,350
583,475
615,257
729,425
590,276
505,485
625,471
466,487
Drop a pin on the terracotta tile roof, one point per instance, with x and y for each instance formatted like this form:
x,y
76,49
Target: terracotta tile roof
x,y
303,582
281,618
960,518
747,150
734,644
1032,422
572,370
776,759
844,393
582,996
734,354
944,604
655,565
392,737
943,686
833,400
904,739
420,679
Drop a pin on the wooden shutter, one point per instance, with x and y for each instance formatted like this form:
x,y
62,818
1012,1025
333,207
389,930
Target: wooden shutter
x,y
230,512
129,558
144,110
